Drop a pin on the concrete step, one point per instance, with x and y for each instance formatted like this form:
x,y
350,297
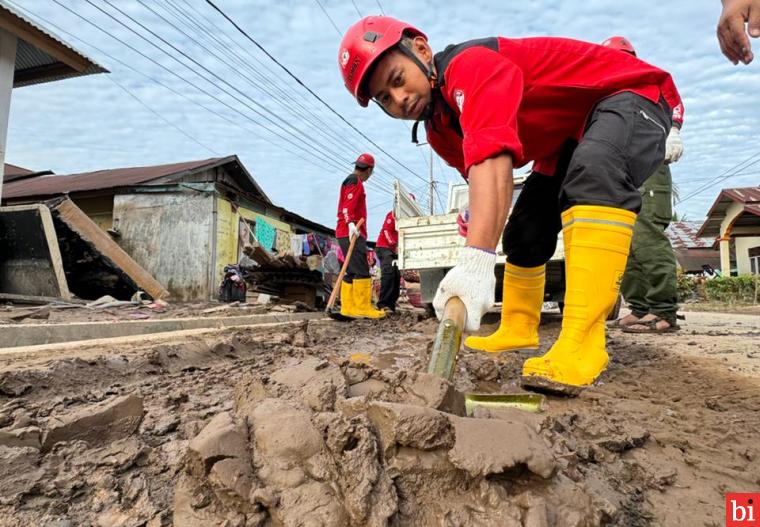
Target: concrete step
x,y
15,335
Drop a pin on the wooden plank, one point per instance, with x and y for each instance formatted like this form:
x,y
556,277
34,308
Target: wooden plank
x,y
80,223
30,299
55,251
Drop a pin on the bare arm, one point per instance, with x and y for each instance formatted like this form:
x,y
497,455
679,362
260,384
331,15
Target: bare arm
x,y
731,29
490,198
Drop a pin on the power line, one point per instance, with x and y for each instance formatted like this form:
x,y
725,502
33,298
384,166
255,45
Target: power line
x,y
250,81
216,114
710,178
171,72
329,18
167,121
357,9
382,12
290,103
299,81
340,167
722,177
260,113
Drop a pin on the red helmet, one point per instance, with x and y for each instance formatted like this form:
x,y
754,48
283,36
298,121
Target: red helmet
x,y
620,43
365,161
363,44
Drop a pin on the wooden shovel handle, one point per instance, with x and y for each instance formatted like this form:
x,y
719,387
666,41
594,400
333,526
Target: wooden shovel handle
x,y
347,257
455,311
448,339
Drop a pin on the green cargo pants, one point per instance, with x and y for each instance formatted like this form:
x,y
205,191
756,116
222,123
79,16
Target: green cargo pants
x,y
649,282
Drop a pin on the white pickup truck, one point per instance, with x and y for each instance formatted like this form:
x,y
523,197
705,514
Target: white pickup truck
x,y
430,244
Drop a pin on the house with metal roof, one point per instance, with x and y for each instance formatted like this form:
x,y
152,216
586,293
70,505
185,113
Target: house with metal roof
x,y
693,253
182,222
30,54
734,223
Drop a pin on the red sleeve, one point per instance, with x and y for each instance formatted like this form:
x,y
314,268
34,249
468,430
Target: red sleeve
x,y
673,98
389,230
351,197
486,88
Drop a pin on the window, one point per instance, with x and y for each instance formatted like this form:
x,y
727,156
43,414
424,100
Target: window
x,y
754,260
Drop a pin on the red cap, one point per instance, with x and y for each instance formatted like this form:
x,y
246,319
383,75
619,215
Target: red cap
x,y
363,44
620,43
365,161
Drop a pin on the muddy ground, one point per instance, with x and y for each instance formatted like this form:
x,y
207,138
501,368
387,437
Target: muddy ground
x,y
322,423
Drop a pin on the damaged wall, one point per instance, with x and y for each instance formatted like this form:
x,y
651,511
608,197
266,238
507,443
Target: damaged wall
x,y
169,234
30,261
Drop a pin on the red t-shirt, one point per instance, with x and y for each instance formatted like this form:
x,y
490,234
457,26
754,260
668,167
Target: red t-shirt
x,y
528,96
388,237
352,206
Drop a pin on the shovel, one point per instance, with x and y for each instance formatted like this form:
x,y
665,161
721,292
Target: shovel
x,y
448,341
330,310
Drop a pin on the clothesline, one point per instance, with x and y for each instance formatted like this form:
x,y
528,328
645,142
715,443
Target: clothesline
x,y
268,237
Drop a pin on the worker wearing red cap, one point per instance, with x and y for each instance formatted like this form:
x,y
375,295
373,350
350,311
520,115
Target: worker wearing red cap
x,y
387,251
649,284
594,122
356,289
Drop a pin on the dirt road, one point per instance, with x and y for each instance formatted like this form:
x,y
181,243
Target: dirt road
x,y
335,425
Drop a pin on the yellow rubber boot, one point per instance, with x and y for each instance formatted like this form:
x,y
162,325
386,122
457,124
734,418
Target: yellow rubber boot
x,y
597,242
347,300
363,299
595,343
522,298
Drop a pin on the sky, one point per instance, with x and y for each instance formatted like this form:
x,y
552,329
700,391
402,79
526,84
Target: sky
x,y
232,99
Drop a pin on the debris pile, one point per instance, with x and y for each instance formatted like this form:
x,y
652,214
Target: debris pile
x,y
284,275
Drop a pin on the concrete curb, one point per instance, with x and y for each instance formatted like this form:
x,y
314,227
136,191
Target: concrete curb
x,y
17,335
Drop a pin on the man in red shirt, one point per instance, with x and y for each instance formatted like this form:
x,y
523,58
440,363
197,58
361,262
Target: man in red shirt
x,y
356,289
387,251
594,122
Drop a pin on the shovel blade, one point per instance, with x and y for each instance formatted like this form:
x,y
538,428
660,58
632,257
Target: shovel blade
x,y
528,402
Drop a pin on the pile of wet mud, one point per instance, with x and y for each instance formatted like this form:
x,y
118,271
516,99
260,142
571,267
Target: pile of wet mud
x,y
322,444
311,424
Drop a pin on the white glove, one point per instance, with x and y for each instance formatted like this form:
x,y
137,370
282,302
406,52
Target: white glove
x,y
473,281
673,146
352,230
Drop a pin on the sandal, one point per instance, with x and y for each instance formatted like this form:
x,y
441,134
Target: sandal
x,y
618,322
651,326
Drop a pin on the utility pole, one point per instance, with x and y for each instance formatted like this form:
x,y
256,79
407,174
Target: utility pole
x,y
432,184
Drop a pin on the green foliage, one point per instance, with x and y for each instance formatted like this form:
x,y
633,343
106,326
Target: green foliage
x,y
689,288
727,290
733,289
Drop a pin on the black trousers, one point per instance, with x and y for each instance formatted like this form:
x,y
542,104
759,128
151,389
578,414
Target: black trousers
x,y
390,281
623,144
357,265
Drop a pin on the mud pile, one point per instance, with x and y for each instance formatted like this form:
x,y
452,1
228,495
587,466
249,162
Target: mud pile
x,y
310,424
321,444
